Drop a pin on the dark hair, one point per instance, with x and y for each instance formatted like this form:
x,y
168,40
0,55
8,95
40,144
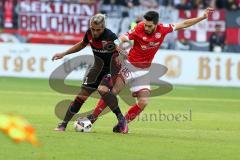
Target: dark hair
x,y
152,16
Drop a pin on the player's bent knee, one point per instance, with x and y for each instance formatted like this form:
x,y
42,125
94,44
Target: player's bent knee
x,y
82,97
103,90
115,91
143,102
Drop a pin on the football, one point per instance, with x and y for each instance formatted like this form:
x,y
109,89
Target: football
x,y
82,125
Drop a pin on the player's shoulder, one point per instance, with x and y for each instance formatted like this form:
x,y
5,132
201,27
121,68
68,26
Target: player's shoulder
x,y
109,34
139,27
164,25
140,24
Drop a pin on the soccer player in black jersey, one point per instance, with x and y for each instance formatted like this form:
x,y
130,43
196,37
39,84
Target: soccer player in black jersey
x,y
100,39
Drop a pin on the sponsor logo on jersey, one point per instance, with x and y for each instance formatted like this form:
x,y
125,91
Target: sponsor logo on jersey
x,y
143,47
154,43
150,45
166,25
104,43
101,50
144,38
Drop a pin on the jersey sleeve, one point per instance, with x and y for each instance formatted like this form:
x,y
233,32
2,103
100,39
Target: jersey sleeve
x,y
131,34
168,28
113,37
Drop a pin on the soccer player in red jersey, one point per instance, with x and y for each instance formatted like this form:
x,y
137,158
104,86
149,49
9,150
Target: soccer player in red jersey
x,y
148,37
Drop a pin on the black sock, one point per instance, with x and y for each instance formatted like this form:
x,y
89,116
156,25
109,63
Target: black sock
x,y
118,113
73,108
111,100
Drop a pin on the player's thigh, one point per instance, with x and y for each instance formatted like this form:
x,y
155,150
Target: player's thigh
x,y
118,85
139,84
93,79
103,89
106,83
85,92
143,94
92,75
136,78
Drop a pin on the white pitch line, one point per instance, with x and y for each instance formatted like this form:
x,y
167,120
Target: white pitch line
x,y
198,99
32,93
160,98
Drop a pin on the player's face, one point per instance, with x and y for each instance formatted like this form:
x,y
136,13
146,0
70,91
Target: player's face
x,y
149,27
96,30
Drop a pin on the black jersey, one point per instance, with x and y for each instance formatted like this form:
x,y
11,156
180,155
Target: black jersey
x,y
103,47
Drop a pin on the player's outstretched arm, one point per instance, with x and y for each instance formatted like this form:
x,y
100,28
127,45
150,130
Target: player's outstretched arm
x,y
77,47
189,22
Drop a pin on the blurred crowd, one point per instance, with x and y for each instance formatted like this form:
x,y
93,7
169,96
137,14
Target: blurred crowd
x,y
123,15
178,4
127,13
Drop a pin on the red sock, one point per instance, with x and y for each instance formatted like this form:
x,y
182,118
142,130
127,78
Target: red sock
x,y
133,112
99,108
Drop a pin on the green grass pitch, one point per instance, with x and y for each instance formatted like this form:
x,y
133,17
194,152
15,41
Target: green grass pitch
x,y
213,132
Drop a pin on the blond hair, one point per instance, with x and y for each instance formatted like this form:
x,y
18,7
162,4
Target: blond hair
x,y
98,19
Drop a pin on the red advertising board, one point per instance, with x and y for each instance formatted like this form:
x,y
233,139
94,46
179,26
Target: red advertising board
x,y
233,36
52,21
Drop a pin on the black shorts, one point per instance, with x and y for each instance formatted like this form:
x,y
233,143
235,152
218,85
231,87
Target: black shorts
x,y
95,77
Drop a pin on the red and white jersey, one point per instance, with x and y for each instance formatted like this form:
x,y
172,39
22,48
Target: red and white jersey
x,y
146,46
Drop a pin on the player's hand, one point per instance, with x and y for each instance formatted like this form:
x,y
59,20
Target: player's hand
x,y
121,50
208,12
120,58
58,56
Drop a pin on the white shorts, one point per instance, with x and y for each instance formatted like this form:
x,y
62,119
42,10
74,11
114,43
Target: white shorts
x,y
137,78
